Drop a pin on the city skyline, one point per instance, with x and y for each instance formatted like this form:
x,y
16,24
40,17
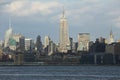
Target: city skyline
x,y
32,18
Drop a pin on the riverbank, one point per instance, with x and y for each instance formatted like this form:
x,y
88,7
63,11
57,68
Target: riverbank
x,y
58,64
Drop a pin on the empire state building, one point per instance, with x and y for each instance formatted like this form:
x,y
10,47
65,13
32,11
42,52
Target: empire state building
x,y
64,37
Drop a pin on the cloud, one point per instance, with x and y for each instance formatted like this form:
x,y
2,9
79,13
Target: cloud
x,y
117,22
25,8
92,1
114,13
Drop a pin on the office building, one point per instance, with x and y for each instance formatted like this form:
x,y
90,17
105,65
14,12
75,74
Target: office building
x,y
71,44
46,41
29,44
52,48
64,37
83,41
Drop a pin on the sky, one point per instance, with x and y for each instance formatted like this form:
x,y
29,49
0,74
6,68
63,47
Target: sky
x,y
42,17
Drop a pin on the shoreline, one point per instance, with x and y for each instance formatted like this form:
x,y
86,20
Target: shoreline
x,y
45,64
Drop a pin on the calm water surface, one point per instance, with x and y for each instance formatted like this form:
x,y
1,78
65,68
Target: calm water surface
x,y
59,73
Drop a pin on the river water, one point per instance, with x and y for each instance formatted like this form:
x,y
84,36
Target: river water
x,y
59,72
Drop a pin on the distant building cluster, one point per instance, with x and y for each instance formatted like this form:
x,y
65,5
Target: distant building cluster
x,y
18,48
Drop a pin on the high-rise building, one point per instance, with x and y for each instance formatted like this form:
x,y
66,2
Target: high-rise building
x,y
52,48
22,43
74,47
71,44
16,42
111,37
64,37
38,45
8,35
29,44
46,41
83,41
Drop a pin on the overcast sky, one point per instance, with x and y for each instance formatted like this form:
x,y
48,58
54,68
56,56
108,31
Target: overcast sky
x,y
42,17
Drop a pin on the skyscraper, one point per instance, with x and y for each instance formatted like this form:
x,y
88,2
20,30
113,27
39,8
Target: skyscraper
x,y
111,37
64,37
46,41
83,41
29,44
8,35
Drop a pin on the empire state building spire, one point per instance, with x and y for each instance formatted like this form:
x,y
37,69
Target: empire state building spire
x,y
63,15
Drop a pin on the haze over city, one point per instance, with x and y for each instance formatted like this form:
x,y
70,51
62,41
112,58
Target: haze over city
x,y
42,17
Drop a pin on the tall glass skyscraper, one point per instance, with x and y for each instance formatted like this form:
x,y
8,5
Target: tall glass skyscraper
x,y
64,37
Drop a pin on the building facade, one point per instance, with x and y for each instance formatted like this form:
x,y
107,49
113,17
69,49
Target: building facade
x,y
83,41
46,41
29,44
64,37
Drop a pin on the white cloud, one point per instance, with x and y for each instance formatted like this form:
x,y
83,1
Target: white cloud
x,y
117,21
24,8
91,1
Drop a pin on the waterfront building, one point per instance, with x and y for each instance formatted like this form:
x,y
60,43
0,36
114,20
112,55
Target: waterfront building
x,y
64,37
98,46
8,35
83,41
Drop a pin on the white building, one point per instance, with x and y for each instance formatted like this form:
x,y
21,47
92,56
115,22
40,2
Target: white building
x,y
64,37
29,44
46,41
52,48
83,41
